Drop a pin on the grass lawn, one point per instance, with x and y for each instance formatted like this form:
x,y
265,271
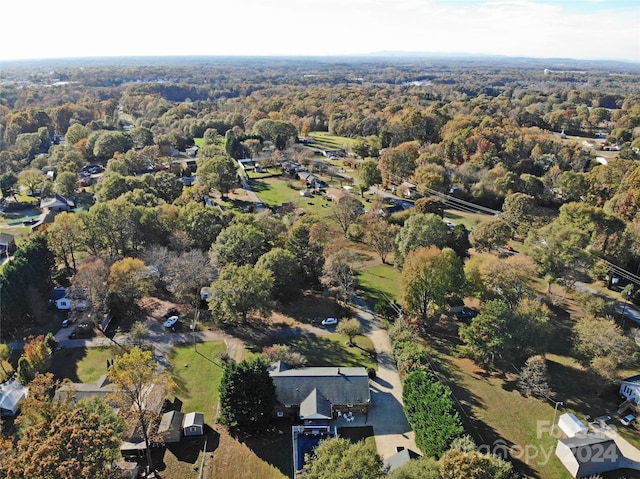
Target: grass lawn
x,y
324,351
275,191
197,374
470,220
324,140
81,365
378,281
499,417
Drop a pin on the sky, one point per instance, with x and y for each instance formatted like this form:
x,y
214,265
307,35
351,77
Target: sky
x,y
578,29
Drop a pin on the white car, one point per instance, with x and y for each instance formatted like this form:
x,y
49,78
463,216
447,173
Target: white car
x,y
170,322
625,421
329,321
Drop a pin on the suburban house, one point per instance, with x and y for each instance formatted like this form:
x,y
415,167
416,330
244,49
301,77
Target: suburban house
x,y
12,393
630,389
79,391
317,395
67,299
334,194
57,203
588,454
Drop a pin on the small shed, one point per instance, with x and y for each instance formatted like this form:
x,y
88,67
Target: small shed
x,y
7,243
193,424
571,425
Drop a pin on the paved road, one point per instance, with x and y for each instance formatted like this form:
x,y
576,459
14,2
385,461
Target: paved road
x,y
387,414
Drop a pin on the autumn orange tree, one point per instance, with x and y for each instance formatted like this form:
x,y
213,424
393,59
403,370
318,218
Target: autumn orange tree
x,y
139,386
61,438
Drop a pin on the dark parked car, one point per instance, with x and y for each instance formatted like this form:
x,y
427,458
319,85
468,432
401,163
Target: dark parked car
x,y
466,314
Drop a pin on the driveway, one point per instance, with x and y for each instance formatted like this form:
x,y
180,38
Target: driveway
x,y
387,416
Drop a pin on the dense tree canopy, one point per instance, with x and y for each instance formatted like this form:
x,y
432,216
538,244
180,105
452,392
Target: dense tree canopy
x,y
247,395
338,458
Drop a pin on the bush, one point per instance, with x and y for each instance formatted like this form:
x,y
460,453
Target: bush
x,y
371,373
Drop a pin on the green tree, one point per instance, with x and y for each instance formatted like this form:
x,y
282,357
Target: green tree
x,y
65,236
598,338
308,254
108,143
247,395
280,133
67,183
488,334
559,250
218,173
421,468
284,267
338,458
429,277
5,352
141,137
8,183
166,186
490,234
240,290
431,413
202,224
420,230
238,243
75,133
518,211
502,332
31,179
370,173
350,328
139,386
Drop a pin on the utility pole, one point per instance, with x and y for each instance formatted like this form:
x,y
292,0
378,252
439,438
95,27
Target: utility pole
x,y
555,410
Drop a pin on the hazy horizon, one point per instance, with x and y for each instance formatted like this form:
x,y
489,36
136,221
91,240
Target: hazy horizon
x,y
563,29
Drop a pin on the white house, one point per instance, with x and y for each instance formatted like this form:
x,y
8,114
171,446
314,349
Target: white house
x,y
630,389
63,303
193,424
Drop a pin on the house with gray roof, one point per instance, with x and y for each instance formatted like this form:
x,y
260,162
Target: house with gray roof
x,y
319,394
